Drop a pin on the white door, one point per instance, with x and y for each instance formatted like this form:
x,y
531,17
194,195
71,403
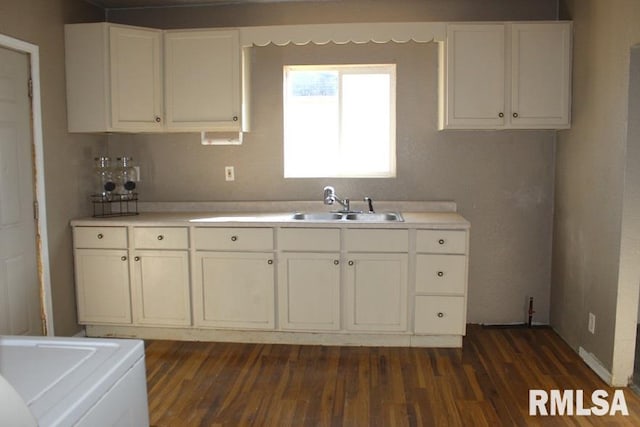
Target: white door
x,y
20,306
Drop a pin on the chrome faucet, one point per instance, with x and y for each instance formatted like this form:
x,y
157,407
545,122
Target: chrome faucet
x,y
330,197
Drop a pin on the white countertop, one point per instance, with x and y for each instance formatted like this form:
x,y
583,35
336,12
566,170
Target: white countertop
x,y
449,220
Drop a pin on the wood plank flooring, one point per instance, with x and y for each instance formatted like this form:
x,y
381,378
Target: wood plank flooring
x,y
484,384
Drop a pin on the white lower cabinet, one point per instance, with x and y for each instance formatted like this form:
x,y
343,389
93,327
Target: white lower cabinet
x,y
309,291
234,290
102,286
356,285
376,292
161,288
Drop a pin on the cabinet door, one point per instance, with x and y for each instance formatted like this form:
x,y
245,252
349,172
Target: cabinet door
x,y
202,80
161,288
475,76
309,291
234,290
541,73
102,284
136,79
376,292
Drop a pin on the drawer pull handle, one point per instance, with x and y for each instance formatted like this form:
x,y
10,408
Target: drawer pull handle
x,y
123,258
515,115
160,237
350,262
234,238
440,273
100,235
336,262
441,241
270,262
440,314
136,258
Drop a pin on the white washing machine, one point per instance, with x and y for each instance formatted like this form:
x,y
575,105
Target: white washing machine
x,y
73,382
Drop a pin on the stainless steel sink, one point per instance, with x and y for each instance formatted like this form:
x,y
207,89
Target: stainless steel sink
x,y
379,217
348,216
317,216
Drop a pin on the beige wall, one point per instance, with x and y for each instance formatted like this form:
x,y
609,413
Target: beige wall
x,y
502,181
67,157
594,246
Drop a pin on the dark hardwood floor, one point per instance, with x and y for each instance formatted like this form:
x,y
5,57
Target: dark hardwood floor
x,y
484,384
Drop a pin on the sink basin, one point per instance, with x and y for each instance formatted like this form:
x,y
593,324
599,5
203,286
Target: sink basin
x,y
317,216
350,216
380,217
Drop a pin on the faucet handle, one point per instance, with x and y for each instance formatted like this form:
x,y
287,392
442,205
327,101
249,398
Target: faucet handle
x,y
369,201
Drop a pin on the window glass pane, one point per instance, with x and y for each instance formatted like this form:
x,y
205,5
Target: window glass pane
x,y
339,121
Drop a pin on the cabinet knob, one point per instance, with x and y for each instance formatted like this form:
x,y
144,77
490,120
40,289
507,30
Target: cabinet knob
x,y
235,118
100,236
123,258
158,119
440,314
515,115
136,258
270,262
441,241
350,262
440,273
160,237
501,115
234,238
336,262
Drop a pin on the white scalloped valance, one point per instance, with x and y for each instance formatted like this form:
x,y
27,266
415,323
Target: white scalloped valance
x,y
399,32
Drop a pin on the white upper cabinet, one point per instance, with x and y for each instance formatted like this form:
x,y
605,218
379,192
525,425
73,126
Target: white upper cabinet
x,y
505,76
202,85
114,78
132,79
136,79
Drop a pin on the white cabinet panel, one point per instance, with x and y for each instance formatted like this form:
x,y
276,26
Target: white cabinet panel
x,y
475,64
233,239
136,78
234,290
376,294
161,288
161,238
203,87
102,286
440,315
309,291
441,274
541,72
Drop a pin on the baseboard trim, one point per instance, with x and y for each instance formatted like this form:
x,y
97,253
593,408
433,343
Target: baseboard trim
x,y
595,365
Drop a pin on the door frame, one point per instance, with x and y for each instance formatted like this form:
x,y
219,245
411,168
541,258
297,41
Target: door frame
x,y
42,243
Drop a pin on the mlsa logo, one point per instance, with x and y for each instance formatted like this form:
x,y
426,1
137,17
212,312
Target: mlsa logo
x,y
571,402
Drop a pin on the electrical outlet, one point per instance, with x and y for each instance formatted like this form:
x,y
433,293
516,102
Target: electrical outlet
x,y
229,173
592,323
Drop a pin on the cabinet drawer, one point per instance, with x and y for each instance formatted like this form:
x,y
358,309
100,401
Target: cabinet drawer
x,y
366,240
441,241
234,239
309,239
440,274
440,315
100,237
161,238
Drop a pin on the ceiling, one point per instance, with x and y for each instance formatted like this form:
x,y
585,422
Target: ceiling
x,y
123,4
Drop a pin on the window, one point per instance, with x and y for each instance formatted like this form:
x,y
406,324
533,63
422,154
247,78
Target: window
x,y
339,121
